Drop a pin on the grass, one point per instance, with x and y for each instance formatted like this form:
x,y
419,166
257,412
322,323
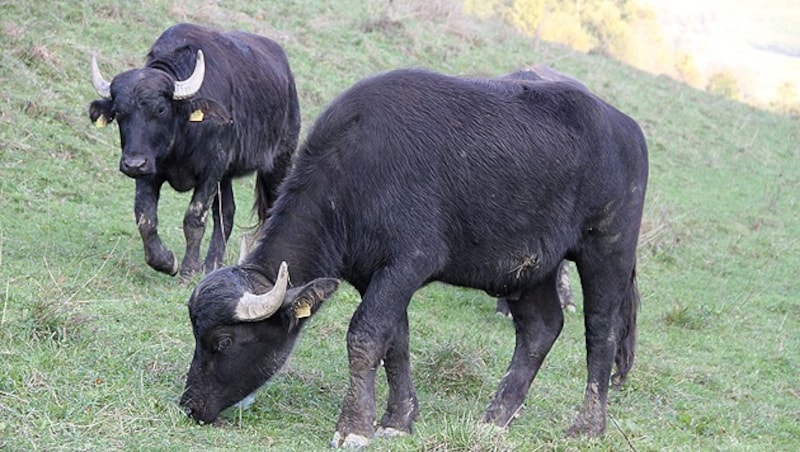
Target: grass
x,y
94,345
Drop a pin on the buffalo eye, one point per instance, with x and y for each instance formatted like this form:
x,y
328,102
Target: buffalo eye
x,y
162,110
223,342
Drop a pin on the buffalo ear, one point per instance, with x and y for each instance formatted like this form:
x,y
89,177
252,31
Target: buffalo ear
x,y
101,112
202,110
303,302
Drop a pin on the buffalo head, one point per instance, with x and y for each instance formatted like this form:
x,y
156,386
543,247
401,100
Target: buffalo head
x,y
148,104
242,339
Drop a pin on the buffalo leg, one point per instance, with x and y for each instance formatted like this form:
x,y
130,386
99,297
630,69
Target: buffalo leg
x,y
194,226
538,320
146,212
372,329
564,287
402,406
223,208
610,302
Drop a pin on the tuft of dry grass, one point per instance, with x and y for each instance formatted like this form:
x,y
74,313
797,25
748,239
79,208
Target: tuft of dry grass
x,y
55,320
54,313
464,434
452,368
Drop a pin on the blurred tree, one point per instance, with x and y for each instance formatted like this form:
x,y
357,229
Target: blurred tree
x,y
724,84
526,15
483,8
566,27
786,99
645,47
608,22
586,25
687,70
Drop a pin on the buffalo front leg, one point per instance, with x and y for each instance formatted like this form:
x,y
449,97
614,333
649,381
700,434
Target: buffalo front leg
x,y
224,208
538,320
372,329
146,211
194,226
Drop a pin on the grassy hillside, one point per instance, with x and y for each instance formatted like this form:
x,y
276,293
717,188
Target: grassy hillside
x,y
94,345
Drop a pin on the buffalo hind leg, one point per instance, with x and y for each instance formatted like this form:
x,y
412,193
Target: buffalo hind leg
x,y
223,208
402,406
610,305
146,211
372,330
538,320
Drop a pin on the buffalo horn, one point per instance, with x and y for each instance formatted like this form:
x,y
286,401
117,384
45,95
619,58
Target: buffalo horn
x,y
242,250
189,87
253,308
102,87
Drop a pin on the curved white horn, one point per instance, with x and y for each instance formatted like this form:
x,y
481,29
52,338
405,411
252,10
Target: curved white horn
x,y
102,87
189,87
242,250
252,308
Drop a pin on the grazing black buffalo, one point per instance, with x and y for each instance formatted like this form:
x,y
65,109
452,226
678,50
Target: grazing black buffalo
x,y
207,107
411,177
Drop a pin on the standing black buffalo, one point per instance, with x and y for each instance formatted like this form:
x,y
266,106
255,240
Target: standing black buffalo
x,y
411,177
206,107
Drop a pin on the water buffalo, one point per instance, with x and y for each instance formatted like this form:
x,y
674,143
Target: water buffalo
x,y
410,177
207,107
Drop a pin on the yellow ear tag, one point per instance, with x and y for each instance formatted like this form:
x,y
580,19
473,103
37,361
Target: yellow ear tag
x,y
302,310
196,116
100,122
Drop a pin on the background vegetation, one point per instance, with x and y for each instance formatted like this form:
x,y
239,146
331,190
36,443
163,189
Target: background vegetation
x,y
631,31
94,345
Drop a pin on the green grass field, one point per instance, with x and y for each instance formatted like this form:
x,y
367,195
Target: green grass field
x,y
94,345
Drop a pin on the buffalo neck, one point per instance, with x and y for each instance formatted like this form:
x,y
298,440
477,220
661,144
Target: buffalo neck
x,y
299,231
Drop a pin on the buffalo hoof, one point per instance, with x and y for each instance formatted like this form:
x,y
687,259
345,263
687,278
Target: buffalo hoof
x,y
350,441
586,429
188,273
162,262
492,428
388,432
174,268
